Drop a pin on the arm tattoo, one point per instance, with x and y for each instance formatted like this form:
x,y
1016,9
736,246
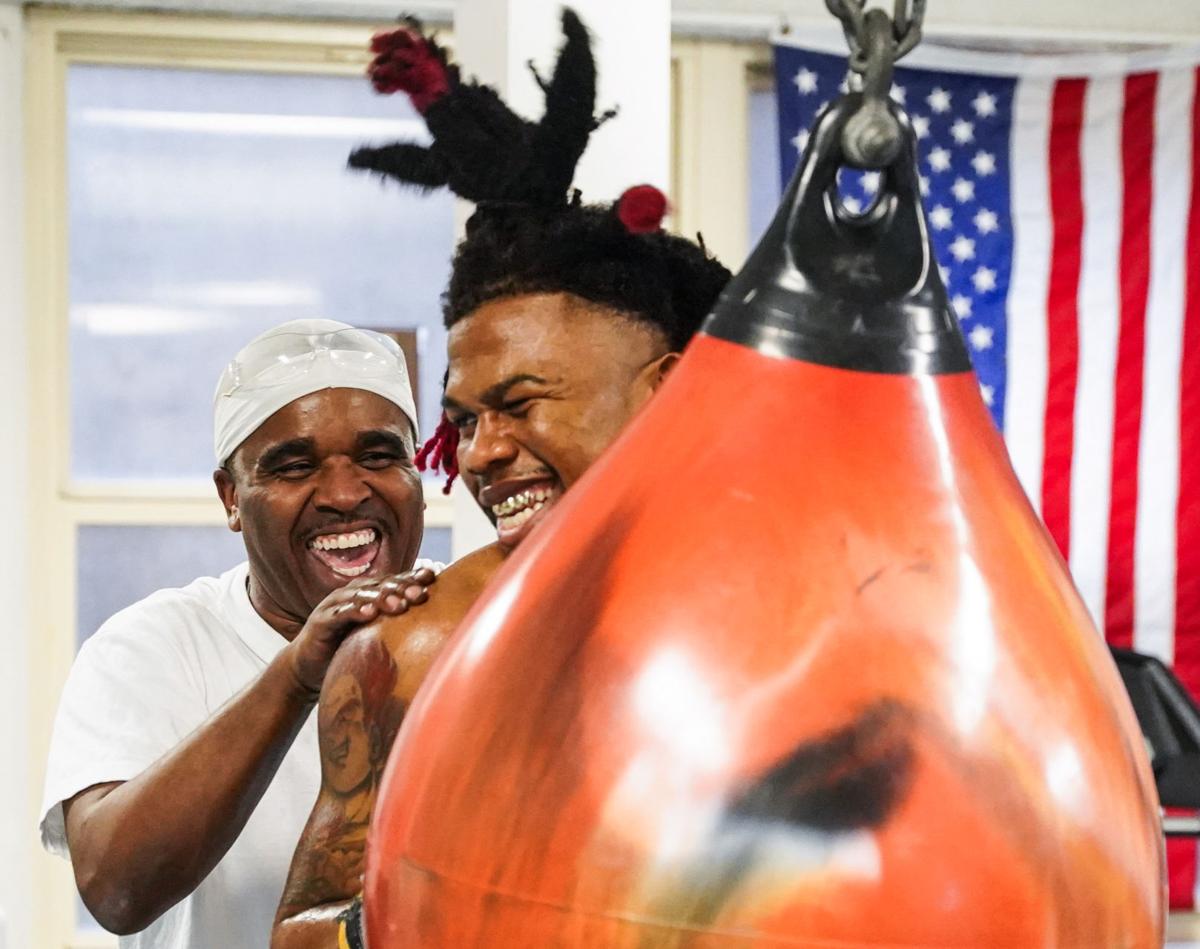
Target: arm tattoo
x,y
359,714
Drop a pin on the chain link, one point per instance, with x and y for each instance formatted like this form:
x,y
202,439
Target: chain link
x,y
908,16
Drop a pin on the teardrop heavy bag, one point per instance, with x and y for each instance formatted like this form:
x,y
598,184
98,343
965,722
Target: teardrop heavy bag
x,y
794,665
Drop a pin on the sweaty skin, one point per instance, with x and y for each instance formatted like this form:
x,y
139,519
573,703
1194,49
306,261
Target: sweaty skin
x,y
370,685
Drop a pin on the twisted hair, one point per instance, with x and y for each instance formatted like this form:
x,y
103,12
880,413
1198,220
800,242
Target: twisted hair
x,y
482,150
530,233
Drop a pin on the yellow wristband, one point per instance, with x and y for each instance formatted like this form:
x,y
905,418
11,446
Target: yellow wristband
x,y
350,932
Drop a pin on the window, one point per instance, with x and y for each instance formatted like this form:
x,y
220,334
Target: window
x,y
206,207
762,147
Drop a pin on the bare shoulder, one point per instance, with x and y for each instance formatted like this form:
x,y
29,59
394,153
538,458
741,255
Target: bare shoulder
x,y
406,645
367,690
466,577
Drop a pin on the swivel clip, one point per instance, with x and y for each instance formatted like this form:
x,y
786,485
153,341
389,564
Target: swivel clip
x,y
872,137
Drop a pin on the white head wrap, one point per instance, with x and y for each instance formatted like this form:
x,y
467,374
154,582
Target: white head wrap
x,y
298,358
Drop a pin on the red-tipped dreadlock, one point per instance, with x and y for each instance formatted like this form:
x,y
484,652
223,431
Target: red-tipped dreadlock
x,y
406,61
441,451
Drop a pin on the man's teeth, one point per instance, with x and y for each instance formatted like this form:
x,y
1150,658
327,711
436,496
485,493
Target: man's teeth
x,y
350,571
530,500
343,541
511,522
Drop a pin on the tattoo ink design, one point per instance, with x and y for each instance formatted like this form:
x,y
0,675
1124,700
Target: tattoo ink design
x,y
360,712
345,744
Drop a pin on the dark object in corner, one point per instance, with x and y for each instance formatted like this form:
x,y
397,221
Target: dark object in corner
x,y
1170,722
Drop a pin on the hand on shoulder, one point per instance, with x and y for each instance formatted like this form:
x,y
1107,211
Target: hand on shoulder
x,y
415,637
342,611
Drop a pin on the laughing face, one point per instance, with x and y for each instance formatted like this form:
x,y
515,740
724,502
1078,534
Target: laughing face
x,y
539,386
324,491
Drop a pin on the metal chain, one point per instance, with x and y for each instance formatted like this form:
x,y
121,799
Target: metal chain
x,y
908,16
871,137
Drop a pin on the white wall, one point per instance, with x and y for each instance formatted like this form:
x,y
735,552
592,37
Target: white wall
x,y
1167,19
1145,20
16,810
1148,20
1111,20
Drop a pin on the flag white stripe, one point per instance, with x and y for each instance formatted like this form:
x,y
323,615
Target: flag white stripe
x,y
1099,318
1158,456
1025,390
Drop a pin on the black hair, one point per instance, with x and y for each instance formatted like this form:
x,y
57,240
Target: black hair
x,y
657,278
530,232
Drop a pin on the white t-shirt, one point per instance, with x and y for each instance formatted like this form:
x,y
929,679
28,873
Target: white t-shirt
x,y
143,682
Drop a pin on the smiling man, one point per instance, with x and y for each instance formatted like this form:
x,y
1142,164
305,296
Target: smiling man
x,y
540,383
184,757
563,320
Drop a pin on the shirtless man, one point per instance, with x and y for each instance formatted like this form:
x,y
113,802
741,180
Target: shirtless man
x,y
563,320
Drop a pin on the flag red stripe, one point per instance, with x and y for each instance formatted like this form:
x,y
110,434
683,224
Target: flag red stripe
x,y
1137,152
1062,305
1187,553
1181,870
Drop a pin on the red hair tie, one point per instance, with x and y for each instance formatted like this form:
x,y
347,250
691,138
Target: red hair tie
x,y
642,209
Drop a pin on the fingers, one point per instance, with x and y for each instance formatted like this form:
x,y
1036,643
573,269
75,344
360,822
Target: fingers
x,y
399,598
363,600
422,575
357,604
347,608
399,592
404,589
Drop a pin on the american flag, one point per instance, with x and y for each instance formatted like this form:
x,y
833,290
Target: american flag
x,y
1063,195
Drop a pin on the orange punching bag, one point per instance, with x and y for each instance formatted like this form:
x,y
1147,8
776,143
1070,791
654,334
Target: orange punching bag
x,y
795,664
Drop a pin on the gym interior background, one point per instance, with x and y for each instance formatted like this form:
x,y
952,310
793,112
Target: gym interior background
x,y
218,128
